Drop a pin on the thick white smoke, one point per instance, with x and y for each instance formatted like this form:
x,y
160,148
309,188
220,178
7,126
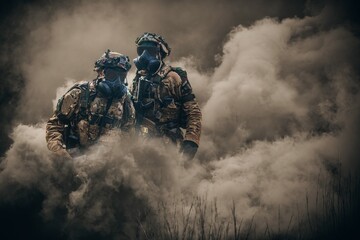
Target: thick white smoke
x,y
278,112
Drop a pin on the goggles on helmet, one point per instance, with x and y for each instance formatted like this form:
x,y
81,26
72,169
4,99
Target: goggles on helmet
x,y
113,74
113,60
154,38
153,51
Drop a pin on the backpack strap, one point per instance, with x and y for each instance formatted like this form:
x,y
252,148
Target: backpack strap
x,y
84,99
186,89
163,73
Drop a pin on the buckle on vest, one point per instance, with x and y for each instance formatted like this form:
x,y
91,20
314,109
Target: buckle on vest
x,y
144,130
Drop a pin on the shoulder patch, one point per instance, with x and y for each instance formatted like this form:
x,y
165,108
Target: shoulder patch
x,y
70,101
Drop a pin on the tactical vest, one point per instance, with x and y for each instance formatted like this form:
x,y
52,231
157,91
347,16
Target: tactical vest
x,y
95,115
157,111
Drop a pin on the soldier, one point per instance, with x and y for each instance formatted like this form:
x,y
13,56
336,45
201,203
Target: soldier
x,y
163,97
91,109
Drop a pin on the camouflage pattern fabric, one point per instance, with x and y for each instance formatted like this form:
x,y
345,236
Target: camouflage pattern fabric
x,y
174,106
85,123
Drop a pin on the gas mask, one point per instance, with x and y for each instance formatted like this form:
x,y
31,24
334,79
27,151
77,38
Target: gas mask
x,y
148,60
113,83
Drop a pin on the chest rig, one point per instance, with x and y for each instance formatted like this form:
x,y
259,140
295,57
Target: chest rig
x,y
157,106
105,112
94,115
149,98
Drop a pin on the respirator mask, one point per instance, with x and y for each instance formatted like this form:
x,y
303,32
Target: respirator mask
x,y
113,83
149,59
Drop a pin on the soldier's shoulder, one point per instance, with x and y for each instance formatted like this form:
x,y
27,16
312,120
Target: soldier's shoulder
x,y
84,85
173,76
69,101
73,94
78,88
181,72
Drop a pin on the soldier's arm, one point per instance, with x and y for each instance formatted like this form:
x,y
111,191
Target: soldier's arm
x,y
54,134
193,123
192,112
190,108
66,109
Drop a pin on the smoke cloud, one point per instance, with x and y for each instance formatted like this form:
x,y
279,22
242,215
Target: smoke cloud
x,y
64,40
280,116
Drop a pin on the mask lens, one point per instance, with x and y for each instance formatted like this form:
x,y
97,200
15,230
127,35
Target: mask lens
x,y
152,50
112,74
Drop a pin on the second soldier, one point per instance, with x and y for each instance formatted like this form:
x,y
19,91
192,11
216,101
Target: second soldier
x,y
163,97
89,110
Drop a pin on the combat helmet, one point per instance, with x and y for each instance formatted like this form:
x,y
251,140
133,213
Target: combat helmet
x,y
112,60
148,38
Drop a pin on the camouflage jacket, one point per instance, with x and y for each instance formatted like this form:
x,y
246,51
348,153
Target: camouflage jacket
x,y
86,115
165,103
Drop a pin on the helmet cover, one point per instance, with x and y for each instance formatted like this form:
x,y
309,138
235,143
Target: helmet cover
x,y
152,37
113,60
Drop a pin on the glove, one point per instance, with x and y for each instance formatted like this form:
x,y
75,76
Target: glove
x,y
189,149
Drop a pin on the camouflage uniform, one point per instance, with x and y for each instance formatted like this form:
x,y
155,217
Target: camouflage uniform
x,y
169,105
163,96
84,114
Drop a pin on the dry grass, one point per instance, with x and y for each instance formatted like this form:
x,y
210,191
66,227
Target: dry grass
x,y
335,217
